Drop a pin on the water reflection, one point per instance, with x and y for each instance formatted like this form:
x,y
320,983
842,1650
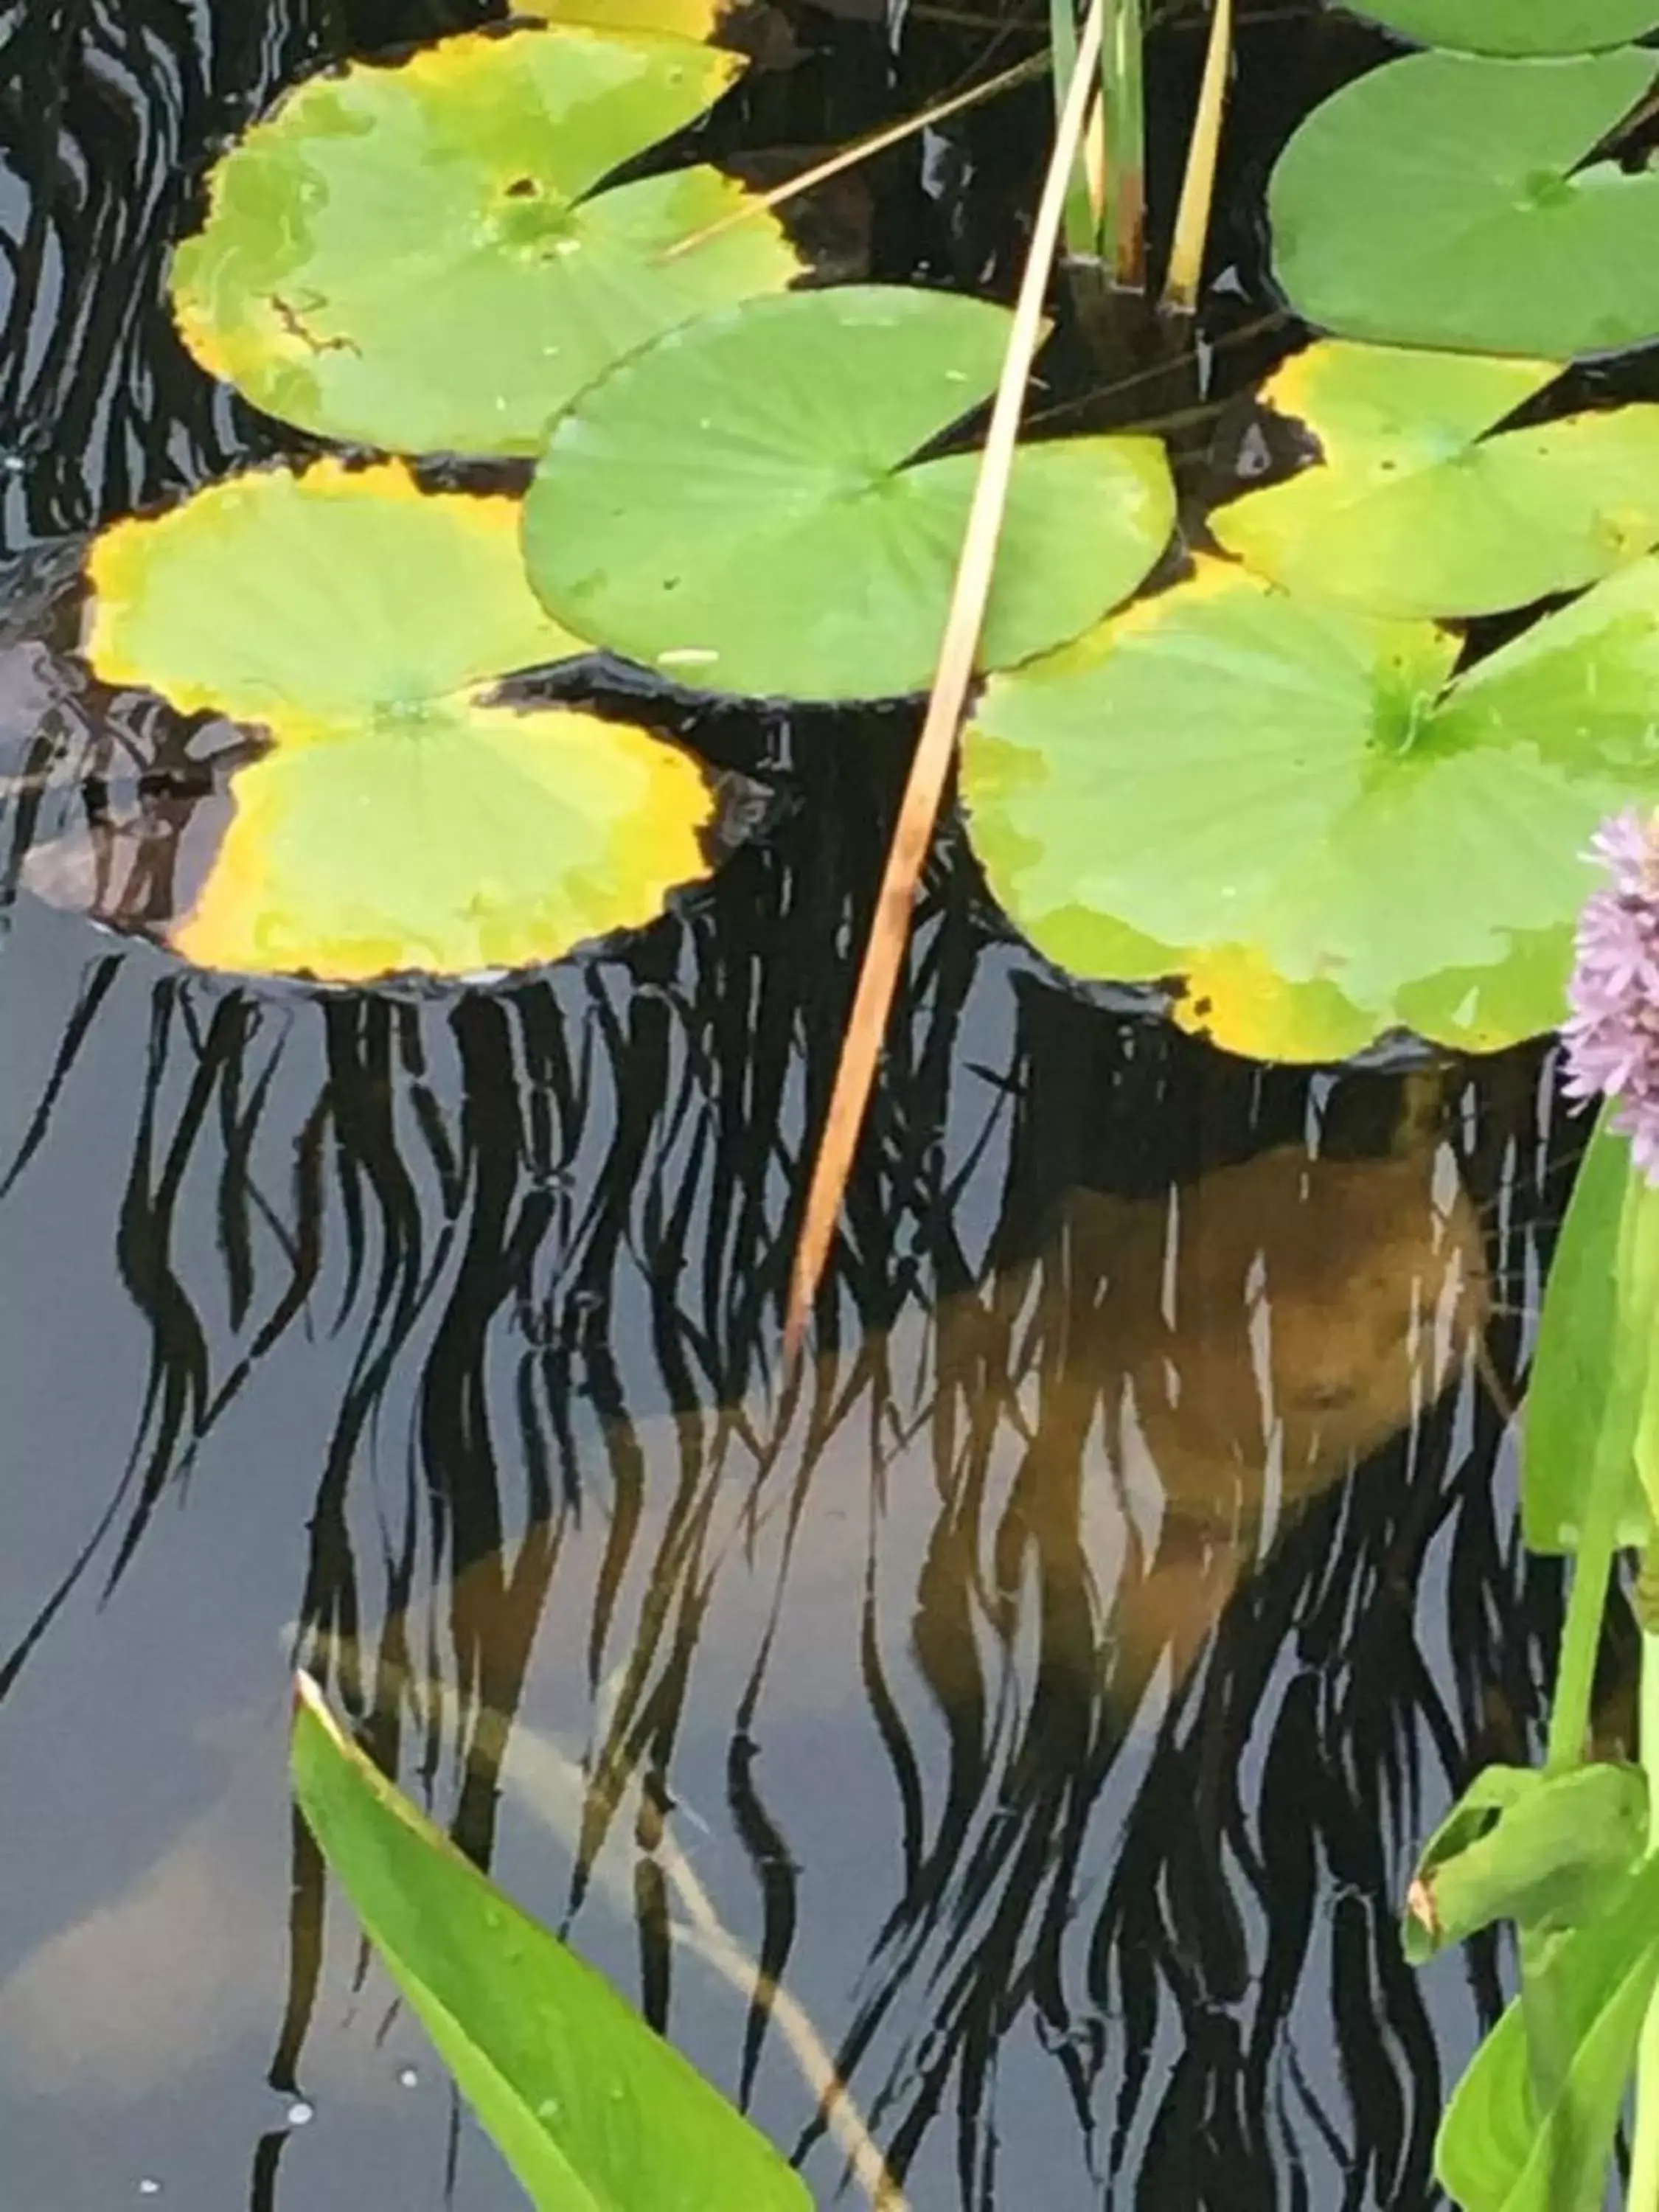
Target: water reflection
x,y
1033,1683
1046,1687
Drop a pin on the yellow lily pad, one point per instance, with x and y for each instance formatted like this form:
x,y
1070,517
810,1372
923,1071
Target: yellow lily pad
x,y
283,597
402,820
477,838
1411,508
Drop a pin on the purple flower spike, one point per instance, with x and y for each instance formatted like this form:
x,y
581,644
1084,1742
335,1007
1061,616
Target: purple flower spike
x,y
1611,1034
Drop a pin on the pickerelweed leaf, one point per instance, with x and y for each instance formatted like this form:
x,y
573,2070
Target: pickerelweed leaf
x,y
417,257
591,2108
400,821
1497,2150
1584,1393
1225,785
1515,27
1440,200
1544,1850
732,505
1404,513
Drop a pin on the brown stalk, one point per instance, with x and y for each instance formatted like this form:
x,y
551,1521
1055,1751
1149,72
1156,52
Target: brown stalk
x,y
861,149
935,747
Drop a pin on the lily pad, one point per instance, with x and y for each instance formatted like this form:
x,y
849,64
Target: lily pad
x,y
1233,788
733,505
1406,514
416,257
401,821
1439,202
339,595
473,838
1515,26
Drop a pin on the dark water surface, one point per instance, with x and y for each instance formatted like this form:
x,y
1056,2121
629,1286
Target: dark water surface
x,y
1048,1688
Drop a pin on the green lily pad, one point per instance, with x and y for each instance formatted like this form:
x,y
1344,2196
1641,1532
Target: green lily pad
x,y
1405,514
401,821
416,257
1286,807
732,505
1439,202
1515,26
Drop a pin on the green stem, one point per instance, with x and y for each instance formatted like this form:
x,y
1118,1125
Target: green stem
x,y
1626,1440
1632,1414
1581,1635
1644,2192
1123,92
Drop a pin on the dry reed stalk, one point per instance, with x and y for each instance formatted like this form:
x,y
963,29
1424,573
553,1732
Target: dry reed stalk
x,y
861,149
936,748
1192,229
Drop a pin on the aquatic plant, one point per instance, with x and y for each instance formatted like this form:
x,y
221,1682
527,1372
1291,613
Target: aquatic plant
x,y
1498,26
1611,1034
792,545
729,487
1569,1853
1414,504
1450,200
1302,815
592,2110
400,818
418,257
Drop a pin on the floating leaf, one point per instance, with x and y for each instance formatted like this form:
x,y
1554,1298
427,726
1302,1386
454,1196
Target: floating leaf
x,y
415,256
1405,514
1439,202
1544,1850
1515,26
400,822
1496,2151
336,594
467,838
1584,1393
592,2109
1224,782
732,505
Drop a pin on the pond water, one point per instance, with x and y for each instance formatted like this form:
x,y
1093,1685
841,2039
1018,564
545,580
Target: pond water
x,y
1046,1688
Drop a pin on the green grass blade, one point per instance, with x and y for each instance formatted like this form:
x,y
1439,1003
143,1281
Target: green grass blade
x,y
1123,96
1079,219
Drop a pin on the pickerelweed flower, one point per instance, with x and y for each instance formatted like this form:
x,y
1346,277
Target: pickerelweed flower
x,y
1611,1034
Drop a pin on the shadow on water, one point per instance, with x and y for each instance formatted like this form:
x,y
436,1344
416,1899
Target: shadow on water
x,y
1046,1686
